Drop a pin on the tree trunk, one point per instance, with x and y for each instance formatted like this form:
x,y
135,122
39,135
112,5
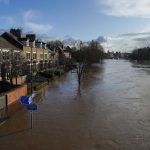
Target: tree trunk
x,y
79,80
79,91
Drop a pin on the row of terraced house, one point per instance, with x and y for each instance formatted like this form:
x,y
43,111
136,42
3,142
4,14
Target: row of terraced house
x,y
23,49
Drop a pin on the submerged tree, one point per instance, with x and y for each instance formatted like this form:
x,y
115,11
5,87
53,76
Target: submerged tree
x,y
85,56
81,63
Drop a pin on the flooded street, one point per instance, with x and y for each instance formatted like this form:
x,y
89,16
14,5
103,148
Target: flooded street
x,y
112,112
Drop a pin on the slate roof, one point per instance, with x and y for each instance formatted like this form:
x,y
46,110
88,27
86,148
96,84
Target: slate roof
x,y
5,44
23,39
50,50
12,39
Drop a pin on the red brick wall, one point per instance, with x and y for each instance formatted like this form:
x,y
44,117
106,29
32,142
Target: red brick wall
x,y
15,94
19,80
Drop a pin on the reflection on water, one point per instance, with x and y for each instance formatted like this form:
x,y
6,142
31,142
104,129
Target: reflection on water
x,y
92,75
111,112
145,66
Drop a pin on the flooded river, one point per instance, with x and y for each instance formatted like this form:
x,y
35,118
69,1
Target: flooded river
x,y
111,112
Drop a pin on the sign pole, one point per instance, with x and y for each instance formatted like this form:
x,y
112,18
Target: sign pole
x,y
31,113
31,70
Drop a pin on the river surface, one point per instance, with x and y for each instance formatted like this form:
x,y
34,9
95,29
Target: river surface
x,y
111,112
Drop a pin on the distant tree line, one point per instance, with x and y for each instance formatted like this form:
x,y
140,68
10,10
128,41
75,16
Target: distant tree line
x,y
140,54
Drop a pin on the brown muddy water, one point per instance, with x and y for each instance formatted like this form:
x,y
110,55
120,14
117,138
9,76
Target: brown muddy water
x,y
112,112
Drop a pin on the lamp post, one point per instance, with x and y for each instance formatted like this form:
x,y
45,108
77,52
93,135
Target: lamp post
x,y
31,86
31,70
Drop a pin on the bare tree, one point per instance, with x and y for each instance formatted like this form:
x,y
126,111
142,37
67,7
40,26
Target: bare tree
x,y
16,65
85,56
80,58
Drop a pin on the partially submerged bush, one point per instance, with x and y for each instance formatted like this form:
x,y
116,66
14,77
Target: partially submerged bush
x,y
6,86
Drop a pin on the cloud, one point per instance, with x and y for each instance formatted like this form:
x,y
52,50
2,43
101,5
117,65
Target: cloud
x,y
127,42
29,15
126,8
38,28
31,19
145,39
47,38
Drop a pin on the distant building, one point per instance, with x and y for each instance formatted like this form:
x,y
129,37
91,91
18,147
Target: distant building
x,y
109,55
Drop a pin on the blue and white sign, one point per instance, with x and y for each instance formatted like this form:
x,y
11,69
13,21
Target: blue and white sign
x,y
32,107
25,100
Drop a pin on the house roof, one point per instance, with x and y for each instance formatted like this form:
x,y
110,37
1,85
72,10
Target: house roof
x,y
12,39
5,44
23,39
38,42
50,50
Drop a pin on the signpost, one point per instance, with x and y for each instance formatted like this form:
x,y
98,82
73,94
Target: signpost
x,y
27,101
31,107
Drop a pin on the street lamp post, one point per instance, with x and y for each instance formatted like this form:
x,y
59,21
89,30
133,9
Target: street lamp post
x,y
31,69
31,85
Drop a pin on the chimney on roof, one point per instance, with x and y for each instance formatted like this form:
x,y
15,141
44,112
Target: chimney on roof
x,y
16,32
31,37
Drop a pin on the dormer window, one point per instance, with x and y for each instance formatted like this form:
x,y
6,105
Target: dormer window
x,y
24,41
39,44
32,43
44,45
27,42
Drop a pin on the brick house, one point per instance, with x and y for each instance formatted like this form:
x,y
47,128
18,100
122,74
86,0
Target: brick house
x,y
30,47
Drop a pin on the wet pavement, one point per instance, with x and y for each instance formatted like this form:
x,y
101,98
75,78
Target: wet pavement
x,y
111,112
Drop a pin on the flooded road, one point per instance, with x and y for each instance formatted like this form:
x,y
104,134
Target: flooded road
x,y
112,112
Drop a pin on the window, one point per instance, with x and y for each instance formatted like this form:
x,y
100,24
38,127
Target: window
x,y
27,55
45,56
34,55
41,56
6,56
